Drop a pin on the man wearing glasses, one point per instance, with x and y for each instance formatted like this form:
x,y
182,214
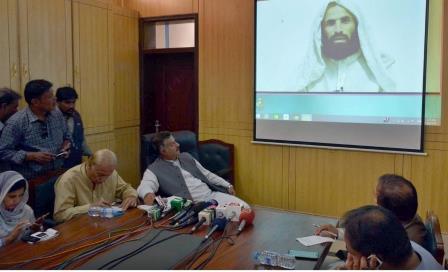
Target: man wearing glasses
x,y
34,136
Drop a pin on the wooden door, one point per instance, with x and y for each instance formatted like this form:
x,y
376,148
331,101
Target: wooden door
x,y
46,41
93,66
170,92
9,54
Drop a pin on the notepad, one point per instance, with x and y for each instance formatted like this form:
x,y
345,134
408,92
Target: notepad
x,y
314,240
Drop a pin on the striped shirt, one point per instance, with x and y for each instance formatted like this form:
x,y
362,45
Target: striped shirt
x,y
24,132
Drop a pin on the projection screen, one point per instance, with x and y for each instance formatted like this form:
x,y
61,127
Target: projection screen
x,y
345,73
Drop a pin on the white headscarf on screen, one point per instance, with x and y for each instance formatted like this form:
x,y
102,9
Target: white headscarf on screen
x,y
313,67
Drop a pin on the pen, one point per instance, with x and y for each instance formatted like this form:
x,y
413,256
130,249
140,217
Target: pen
x,y
316,225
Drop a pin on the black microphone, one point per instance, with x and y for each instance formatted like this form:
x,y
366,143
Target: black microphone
x,y
196,209
218,224
187,222
180,214
198,224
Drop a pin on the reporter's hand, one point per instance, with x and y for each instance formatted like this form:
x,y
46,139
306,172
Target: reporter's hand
x,y
37,225
39,157
327,231
16,232
231,190
66,148
129,202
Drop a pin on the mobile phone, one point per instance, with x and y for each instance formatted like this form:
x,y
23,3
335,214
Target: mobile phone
x,y
40,235
304,254
61,154
30,239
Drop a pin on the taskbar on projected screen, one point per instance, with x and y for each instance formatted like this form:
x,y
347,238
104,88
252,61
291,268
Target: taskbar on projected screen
x,y
388,120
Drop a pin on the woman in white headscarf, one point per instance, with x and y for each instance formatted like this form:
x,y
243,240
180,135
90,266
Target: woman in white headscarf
x,y
15,214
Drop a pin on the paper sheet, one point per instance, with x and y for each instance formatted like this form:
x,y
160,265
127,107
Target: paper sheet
x,y
314,240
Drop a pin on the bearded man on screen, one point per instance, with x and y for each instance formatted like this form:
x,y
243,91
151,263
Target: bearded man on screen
x,y
342,57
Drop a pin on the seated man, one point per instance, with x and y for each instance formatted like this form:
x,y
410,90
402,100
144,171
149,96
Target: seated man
x,y
93,183
179,174
399,196
376,239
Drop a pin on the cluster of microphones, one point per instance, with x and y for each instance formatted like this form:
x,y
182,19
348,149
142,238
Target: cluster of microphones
x,y
209,213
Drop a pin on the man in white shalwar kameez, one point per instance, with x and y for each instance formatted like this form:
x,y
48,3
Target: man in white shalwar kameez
x,y
342,57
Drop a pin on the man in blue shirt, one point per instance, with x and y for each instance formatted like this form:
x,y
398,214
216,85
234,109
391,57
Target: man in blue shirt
x,y
66,98
34,136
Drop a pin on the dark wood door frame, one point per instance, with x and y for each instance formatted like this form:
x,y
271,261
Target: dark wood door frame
x,y
194,50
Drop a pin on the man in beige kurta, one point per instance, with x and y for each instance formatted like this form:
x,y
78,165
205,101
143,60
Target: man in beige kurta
x,y
95,182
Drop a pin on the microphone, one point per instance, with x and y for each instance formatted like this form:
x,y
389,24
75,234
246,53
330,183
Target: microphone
x,y
198,224
246,218
193,212
180,214
218,224
187,222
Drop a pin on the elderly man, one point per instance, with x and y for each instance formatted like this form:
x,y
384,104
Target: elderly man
x,y
375,239
399,196
34,136
9,101
93,183
66,98
179,174
341,57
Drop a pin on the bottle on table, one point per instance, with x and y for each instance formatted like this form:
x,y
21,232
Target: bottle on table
x,y
272,258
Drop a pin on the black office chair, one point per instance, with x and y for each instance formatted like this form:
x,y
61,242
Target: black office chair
x,y
44,197
214,155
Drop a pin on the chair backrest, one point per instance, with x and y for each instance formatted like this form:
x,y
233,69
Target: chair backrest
x,y
187,140
44,198
217,157
435,236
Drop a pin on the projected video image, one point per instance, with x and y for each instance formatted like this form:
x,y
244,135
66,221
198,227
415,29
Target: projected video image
x,y
347,73
340,46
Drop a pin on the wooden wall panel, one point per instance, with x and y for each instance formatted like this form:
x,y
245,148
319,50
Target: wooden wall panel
x,y
101,141
9,73
92,46
151,8
126,70
45,41
127,148
312,180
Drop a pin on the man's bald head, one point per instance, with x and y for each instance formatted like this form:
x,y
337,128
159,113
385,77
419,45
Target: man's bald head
x,y
101,165
398,195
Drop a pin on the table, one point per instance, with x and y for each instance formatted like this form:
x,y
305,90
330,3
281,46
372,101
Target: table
x,y
273,229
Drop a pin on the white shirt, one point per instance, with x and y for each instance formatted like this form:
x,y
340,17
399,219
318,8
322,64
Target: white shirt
x,y
347,75
199,191
427,261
